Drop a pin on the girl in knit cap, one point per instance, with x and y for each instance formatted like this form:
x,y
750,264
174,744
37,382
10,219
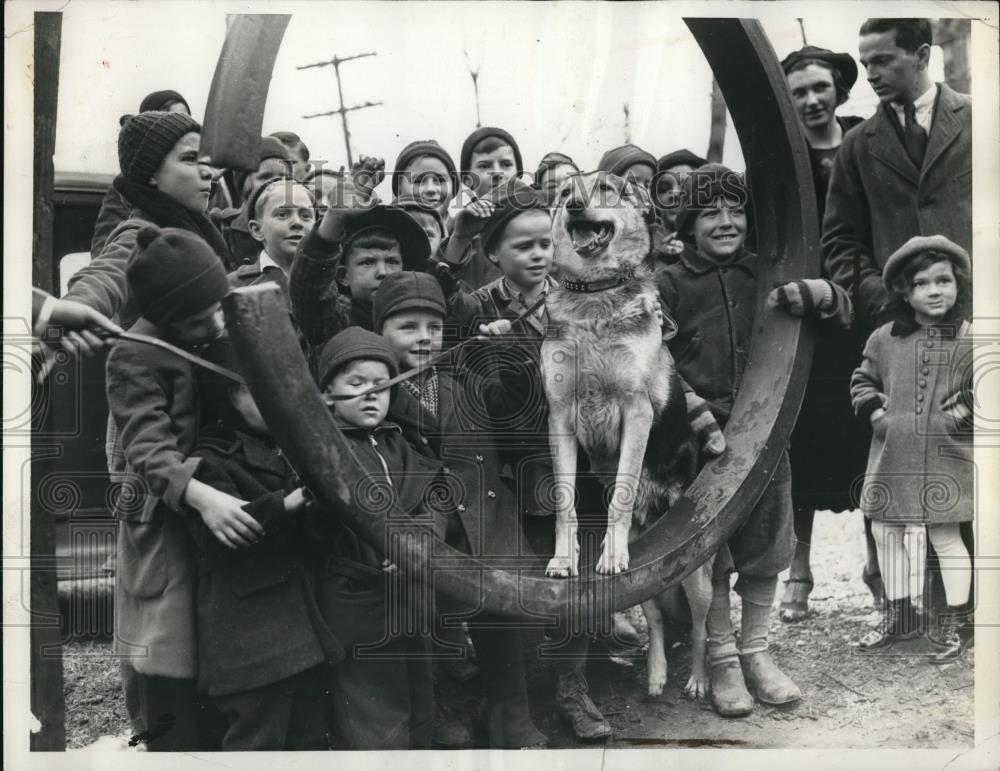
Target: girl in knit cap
x,y
424,171
552,171
176,282
920,467
711,293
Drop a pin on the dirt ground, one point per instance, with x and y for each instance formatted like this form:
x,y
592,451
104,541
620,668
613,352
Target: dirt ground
x,y
849,701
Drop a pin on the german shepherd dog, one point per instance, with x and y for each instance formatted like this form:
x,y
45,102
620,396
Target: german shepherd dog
x,y
613,390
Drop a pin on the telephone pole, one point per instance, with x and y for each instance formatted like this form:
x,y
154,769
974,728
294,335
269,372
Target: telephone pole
x,y
802,28
342,111
474,74
628,129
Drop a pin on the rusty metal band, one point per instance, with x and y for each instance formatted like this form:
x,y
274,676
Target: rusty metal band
x,y
722,496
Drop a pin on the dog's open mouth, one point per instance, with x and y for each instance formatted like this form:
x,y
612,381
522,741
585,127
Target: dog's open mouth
x,y
590,237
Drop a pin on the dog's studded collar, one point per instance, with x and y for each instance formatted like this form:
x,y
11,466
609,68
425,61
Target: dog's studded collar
x,y
598,286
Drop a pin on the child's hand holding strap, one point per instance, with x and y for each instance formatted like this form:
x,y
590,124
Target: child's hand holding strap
x,y
223,515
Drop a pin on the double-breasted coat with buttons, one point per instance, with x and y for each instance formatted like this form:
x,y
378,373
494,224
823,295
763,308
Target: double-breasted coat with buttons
x,y
920,468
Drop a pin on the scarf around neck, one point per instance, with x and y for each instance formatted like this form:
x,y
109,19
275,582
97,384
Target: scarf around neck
x,y
168,213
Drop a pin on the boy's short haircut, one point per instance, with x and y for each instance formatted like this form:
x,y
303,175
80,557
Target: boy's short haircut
x,y
350,345
371,238
258,195
174,274
908,34
293,142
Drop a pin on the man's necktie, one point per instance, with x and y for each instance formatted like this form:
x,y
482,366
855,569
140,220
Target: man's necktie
x,y
914,136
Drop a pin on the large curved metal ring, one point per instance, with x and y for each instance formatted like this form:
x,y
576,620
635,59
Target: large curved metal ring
x,y
765,411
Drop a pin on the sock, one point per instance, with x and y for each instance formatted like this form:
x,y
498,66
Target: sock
x,y
721,641
956,567
893,560
757,593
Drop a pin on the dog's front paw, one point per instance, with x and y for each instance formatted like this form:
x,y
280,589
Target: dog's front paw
x,y
697,686
561,567
614,559
657,676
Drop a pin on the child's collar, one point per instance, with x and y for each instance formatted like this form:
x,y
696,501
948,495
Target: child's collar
x,y
697,263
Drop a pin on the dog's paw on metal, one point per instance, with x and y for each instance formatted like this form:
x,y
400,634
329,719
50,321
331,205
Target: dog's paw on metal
x,y
561,567
612,561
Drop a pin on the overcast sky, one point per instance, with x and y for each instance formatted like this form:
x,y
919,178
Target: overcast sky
x,y
555,75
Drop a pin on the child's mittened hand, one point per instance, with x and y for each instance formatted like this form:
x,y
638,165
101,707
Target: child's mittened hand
x,y
367,173
801,298
496,328
224,516
471,219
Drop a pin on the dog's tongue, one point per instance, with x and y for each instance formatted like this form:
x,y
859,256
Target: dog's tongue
x,y
584,236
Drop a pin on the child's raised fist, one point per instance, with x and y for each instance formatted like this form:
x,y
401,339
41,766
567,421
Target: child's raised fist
x,y
472,218
367,173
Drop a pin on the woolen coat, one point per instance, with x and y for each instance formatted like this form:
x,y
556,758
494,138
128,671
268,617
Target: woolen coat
x,y
258,622
878,199
920,468
152,400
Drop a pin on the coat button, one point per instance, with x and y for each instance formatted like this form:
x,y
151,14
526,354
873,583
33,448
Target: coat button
x,y
920,397
925,370
445,470
479,459
919,410
424,440
460,507
732,303
490,494
926,358
923,383
931,332
929,343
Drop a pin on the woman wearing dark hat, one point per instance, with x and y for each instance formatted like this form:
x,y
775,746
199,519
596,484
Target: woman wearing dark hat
x,y
820,81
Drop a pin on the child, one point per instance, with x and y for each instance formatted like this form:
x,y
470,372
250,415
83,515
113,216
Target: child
x,y
274,161
347,255
426,172
383,700
327,186
297,151
629,161
711,294
176,282
899,387
490,157
671,171
430,219
281,214
261,645
437,412
166,182
552,171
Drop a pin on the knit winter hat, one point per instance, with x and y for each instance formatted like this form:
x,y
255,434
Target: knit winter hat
x,y
350,345
619,159
550,161
407,290
680,158
703,186
511,198
478,136
918,245
158,100
174,274
415,150
146,138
